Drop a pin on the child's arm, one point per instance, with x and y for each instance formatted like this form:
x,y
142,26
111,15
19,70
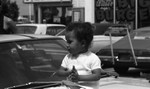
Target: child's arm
x,y
63,72
95,76
109,73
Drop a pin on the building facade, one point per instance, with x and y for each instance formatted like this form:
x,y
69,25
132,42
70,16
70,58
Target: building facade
x,y
62,11
135,12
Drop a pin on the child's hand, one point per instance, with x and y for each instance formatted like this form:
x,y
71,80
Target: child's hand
x,y
73,75
113,74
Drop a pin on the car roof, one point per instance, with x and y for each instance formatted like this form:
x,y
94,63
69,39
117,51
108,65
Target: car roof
x,y
21,37
36,24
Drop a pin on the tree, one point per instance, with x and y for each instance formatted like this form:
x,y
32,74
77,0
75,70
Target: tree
x,y
10,9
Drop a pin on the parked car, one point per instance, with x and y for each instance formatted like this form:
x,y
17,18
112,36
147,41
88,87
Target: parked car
x,y
48,29
28,59
130,51
100,40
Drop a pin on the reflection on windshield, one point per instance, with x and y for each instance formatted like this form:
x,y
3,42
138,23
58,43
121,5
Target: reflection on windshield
x,y
30,61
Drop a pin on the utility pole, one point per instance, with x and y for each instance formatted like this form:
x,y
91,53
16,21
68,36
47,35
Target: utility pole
x,y
114,11
30,12
136,14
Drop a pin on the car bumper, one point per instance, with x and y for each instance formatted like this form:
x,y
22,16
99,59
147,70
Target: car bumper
x,y
112,61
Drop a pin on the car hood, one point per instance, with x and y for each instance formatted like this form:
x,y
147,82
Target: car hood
x,y
104,83
123,83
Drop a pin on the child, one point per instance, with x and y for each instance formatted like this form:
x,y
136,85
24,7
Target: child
x,y
80,64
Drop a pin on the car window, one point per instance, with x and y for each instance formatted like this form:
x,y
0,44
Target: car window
x,y
26,29
61,33
53,30
117,30
29,61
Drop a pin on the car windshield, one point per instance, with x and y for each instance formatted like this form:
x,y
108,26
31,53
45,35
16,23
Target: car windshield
x,y
26,29
29,61
53,30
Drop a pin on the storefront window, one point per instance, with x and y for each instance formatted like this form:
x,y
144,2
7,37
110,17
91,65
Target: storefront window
x,y
60,15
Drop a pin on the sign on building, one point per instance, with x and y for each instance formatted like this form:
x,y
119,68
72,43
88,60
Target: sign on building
x,y
124,10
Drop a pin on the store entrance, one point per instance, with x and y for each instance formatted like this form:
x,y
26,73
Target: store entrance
x,y
59,15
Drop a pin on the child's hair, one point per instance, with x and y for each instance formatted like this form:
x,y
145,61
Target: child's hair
x,y
83,32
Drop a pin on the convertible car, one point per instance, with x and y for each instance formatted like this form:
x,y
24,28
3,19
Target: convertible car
x,y
131,51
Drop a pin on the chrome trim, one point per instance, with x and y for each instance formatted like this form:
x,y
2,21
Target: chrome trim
x,y
142,57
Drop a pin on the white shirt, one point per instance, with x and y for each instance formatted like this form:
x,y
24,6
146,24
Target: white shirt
x,y
84,63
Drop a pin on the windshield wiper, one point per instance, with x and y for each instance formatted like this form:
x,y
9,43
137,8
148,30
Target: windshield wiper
x,y
36,85
42,85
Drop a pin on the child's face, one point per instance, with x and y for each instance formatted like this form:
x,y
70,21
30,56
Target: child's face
x,y
74,46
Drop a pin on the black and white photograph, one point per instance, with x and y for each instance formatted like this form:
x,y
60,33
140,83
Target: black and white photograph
x,y
74,44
